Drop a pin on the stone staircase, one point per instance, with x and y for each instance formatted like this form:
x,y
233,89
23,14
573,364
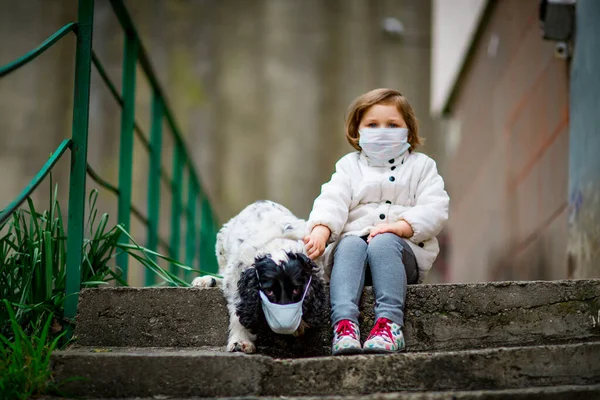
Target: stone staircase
x,y
524,340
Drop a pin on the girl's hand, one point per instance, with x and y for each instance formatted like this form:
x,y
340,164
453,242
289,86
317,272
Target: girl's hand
x,y
316,241
400,228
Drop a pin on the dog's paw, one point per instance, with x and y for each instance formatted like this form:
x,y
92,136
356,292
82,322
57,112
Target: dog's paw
x,y
241,346
204,282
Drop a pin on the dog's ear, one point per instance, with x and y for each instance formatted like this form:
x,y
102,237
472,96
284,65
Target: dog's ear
x,y
314,311
264,263
308,265
248,308
314,306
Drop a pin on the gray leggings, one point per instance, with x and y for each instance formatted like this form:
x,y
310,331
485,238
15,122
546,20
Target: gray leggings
x,y
392,265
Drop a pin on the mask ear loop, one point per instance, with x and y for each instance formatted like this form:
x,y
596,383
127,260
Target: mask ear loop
x,y
306,290
258,278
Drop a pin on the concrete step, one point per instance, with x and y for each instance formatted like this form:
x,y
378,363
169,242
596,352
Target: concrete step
x,y
210,372
438,317
567,392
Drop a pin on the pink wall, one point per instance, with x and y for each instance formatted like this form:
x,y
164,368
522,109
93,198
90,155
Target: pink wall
x,y
508,179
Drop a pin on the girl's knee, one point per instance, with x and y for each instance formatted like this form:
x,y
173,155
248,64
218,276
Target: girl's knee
x,y
351,242
350,246
385,244
384,240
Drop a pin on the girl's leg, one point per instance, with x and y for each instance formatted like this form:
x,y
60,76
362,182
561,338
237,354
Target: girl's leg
x,y
391,262
347,278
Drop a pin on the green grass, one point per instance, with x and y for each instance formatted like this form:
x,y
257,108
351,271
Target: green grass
x,y
33,261
32,286
25,360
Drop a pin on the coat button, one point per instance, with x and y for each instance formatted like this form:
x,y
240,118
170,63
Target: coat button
x,y
393,168
392,161
421,244
388,202
392,179
381,216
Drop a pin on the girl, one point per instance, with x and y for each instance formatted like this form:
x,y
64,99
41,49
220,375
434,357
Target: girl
x,y
382,208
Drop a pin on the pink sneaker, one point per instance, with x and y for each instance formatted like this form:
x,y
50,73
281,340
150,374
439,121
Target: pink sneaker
x,y
385,337
346,337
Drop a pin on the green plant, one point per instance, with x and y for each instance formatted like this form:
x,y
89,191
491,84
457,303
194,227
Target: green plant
x,y
32,281
33,261
25,360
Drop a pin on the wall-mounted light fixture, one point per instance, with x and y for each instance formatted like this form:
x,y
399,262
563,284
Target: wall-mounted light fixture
x,y
557,20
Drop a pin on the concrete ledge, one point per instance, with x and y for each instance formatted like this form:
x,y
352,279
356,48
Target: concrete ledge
x,y
537,393
438,317
124,372
571,392
503,368
138,317
207,373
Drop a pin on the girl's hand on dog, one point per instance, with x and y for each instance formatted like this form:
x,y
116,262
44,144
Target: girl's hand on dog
x,y
400,228
316,241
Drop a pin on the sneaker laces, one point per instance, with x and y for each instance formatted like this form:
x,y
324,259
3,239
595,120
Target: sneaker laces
x,y
345,328
382,328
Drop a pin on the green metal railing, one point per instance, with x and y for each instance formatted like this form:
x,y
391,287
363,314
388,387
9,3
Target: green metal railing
x,y
199,239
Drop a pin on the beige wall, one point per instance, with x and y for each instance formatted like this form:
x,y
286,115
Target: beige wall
x,y
31,129
508,175
259,87
453,28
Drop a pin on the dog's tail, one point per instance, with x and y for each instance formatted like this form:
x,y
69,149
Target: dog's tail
x,y
219,249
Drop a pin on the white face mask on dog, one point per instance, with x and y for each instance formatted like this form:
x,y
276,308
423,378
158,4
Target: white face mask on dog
x,y
283,318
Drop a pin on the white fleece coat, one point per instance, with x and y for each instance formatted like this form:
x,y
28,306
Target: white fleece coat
x,y
362,194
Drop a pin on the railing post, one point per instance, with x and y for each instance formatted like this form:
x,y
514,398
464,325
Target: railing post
x,y
208,260
190,243
154,179
176,202
126,149
81,109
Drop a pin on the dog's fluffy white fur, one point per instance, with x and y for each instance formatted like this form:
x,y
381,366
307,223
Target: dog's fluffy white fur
x,y
262,228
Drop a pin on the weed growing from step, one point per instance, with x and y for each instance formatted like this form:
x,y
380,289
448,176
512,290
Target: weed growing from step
x,y
32,281
33,260
24,360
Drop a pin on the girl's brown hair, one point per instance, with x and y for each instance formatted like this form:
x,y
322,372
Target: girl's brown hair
x,y
362,103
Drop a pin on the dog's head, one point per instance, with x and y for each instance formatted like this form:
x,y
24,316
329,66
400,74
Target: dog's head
x,y
283,283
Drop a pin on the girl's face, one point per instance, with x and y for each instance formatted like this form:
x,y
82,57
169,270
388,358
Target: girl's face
x,y
382,116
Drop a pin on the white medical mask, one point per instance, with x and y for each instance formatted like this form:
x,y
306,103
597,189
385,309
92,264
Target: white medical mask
x,y
283,318
383,144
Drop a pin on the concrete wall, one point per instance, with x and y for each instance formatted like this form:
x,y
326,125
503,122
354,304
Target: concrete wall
x,y
259,87
30,129
507,170
584,157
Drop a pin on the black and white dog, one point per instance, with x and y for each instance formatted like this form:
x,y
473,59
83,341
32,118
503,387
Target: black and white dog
x,y
261,249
